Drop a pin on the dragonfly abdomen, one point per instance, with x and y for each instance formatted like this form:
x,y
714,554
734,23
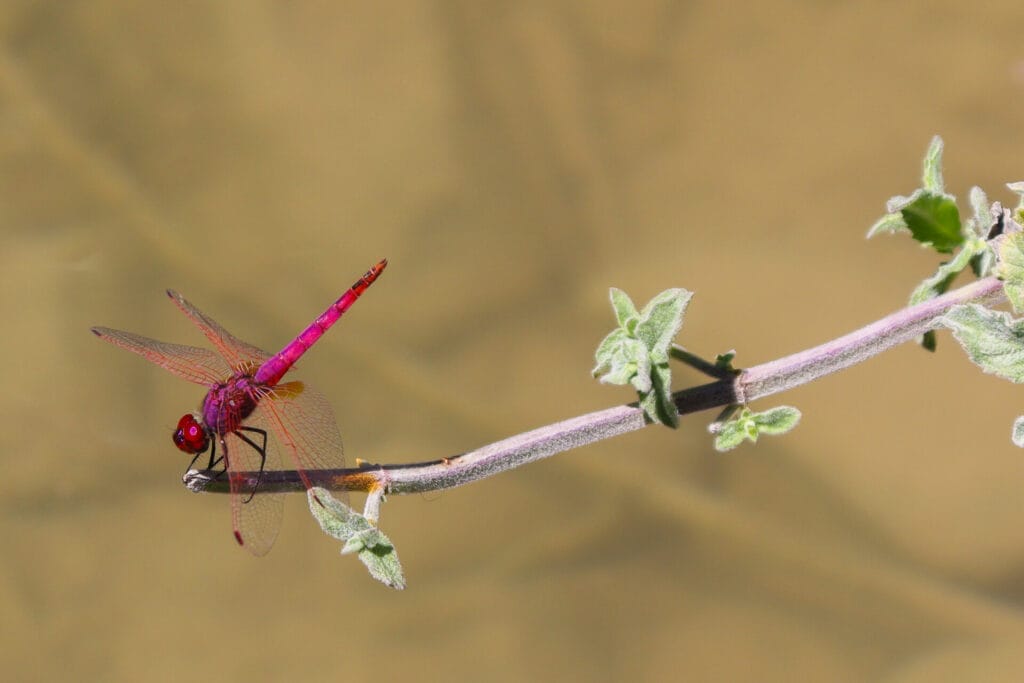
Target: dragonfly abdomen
x,y
272,370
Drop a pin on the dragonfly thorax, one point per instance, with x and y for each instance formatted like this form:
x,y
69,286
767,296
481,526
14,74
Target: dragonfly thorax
x,y
227,405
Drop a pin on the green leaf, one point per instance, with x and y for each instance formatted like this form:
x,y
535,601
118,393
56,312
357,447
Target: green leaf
x,y
931,176
934,220
657,403
377,553
1010,249
938,283
891,223
607,350
992,339
898,203
983,263
778,420
625,311
1011,223
1017,436
980,225
929,213
983,219
729,437
661,319
748,426
619,356
1018,189
375,550
643,371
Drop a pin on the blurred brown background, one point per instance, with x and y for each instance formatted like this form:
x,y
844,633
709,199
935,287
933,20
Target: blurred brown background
x,y
513,160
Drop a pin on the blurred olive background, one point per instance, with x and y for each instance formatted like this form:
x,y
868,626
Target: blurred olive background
x,y
513,161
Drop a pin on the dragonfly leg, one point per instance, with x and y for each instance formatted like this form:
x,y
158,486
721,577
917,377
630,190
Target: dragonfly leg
x,y
261,449
213,461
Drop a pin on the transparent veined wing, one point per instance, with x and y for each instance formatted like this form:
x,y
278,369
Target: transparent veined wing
x,y
192,363
304,424
236,352
255,519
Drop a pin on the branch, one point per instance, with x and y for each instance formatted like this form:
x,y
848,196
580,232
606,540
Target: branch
x,y
753,383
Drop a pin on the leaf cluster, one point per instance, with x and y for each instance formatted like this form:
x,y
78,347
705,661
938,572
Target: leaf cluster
x,y
748,425
359,535
991,242
637,351
931,216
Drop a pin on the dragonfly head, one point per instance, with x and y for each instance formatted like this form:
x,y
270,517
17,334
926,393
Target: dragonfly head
x,y
191,436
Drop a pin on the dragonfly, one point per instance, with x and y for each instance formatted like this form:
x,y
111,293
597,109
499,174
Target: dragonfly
x,y
248,415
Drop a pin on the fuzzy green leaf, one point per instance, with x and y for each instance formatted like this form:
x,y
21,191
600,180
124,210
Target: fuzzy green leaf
x,y
778,420
1010,248
747,425
980,225
622,358
899,202
729,437
982,264
375,550
642,370
661,319
934,220
992,339
625,311
891,223
938,283
1018,189
657,402
929,213
377,553
982,221
931,176
1017,436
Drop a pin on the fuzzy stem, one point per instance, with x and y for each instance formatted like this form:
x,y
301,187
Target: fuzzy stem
x,y
839,354
753,383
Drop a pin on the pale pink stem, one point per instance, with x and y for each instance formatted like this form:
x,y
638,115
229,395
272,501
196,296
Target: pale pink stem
x,y
273,369
759,381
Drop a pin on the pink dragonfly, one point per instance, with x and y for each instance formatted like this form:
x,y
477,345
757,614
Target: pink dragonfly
x,y
248,416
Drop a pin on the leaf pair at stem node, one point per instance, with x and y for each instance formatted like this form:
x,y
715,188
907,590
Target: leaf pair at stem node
x,y
637,352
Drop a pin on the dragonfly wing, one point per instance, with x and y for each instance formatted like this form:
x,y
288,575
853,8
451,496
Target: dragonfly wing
x,y
235,351
303,422
255,519
201,366
291,418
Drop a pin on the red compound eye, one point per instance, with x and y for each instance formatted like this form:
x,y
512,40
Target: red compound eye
x,y
191,436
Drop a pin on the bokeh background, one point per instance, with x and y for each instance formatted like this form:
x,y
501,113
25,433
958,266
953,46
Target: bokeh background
x,y
513,160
